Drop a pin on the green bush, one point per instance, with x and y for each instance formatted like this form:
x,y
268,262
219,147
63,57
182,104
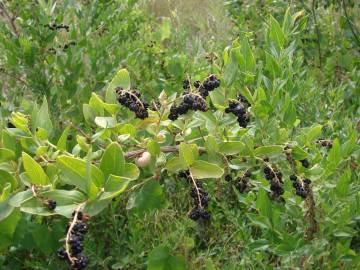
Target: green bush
x,y
125,143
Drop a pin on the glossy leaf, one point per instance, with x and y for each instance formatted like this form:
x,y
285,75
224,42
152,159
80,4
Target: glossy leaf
x,y
202,169
34,171
112,161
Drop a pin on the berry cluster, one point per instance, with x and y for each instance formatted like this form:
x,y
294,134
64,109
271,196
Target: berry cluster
x,y
194,100
54,26
275,178
132,100
325,143
209,84
305,163
239,109
190,101
200,196
302,188
242,183
74,243
68,45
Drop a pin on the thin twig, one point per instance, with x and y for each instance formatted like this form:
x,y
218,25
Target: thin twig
x,y
133,95
354,31
196,188
318,34
68,235
10,19
164,149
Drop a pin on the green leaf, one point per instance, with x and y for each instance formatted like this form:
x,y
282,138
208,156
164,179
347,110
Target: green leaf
x,y
74,172
268,150
105,122
67,201
114,186
314,132
218,99
20,198
231,148
247,94
246,60
96,101
5,210
258,220
61,145
342,186
263,204
6,154
7,229
334,156
43,118
231,67
202,169
6,177
150,197
175,164
112,161
131,171
153,148
165,29
121,79
161,259
128,129
34,171
65,197
276,34
298,153
21,122
188,153
95,207
89,113
4,195
211,145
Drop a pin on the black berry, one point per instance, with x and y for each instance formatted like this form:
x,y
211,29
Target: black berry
x,y
305,163
51,204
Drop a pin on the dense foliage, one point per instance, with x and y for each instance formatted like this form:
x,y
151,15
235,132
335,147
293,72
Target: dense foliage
x,y
152,135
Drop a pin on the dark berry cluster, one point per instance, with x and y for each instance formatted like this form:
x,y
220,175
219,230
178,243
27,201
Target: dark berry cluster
x,y
305,163
275,178
74,241
302,187
68,45
194,100
54,26
132,101
200,196
209,84
190,101
242,183
239,109
325,143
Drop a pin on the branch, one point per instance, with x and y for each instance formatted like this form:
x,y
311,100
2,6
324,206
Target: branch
x,y
318,34
68,234
354,31
10,20
164,149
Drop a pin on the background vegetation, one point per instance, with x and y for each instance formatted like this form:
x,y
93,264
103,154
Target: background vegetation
x,y
296,61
